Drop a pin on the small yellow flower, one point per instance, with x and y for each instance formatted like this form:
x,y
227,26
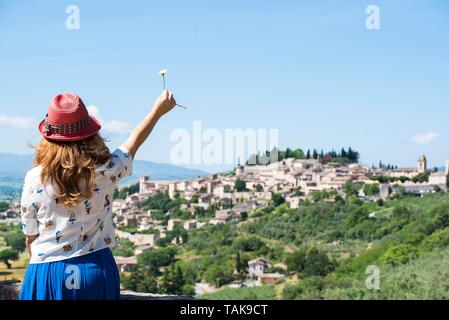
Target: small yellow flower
x,y
163,72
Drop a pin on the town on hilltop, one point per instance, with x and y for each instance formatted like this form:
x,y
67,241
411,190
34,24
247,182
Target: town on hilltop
x,y
153,215
233,195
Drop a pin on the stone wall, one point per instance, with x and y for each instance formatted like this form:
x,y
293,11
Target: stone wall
x,y
11,291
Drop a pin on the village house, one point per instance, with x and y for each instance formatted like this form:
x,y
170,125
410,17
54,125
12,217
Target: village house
x,y
190,224
258,266
138,239
438,178
270,278
130,221
224,215
118,204
293,201
148,187
172,223
133,202
11,214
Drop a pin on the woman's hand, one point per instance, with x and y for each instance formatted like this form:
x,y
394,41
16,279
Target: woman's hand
x,y
164,103
29,240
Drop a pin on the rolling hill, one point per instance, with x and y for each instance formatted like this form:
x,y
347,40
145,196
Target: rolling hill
x,y
13,168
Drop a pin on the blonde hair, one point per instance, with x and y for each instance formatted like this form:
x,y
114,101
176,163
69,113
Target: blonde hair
x,y
71,166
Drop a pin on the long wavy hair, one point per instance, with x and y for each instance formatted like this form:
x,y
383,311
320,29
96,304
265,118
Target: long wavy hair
x,y
70,166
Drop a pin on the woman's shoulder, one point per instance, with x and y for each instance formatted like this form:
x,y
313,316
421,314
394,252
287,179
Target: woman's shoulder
x,y
33,174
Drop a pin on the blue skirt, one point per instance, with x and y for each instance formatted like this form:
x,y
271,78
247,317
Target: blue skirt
x,y
89,277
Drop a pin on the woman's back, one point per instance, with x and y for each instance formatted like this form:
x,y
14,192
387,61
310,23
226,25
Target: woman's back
x,y
64,231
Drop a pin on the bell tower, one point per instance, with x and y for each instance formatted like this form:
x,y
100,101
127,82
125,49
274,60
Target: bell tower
x,y
422,164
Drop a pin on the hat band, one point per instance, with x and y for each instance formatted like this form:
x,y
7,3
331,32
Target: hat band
x,y
66,128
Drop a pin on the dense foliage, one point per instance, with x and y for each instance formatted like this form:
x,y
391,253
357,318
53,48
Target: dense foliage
x,y
327,244
344,156
122,193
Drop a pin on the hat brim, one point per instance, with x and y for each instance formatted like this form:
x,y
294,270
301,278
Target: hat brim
x,y
91,129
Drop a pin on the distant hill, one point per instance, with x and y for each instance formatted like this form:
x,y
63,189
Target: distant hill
x,y
13,168
161,171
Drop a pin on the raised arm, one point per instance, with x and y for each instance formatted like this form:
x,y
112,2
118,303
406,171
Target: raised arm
x,y
164,103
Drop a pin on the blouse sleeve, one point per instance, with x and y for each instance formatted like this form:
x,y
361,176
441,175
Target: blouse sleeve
x,y
30,207
121,165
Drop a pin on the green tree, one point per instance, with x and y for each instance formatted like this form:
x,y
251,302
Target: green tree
x,y
353,156
4,206
173,281
421,177
438,239
161,201
351,189
399,254
371,189
7,255
240,185
295,261
309,261
218,274
124,248
298,154
153,260
140,281
16,240
248,244
356,216
447,181
238,262
278,199
194,199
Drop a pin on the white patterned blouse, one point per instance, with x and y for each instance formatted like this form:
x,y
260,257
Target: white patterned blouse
x,y
71,232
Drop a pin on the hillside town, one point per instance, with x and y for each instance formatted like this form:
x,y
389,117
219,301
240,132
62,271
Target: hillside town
x,y
233,195
250,187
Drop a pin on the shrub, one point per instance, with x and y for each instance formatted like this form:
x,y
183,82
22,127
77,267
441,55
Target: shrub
x,y
399,254
309,261
438,239
308,289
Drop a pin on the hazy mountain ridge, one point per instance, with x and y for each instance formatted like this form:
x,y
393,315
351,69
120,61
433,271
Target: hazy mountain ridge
x,y
13,168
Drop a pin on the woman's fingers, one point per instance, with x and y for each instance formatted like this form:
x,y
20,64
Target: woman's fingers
x,y
171,99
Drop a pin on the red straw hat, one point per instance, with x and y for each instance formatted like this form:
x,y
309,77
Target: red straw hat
x,y
68,119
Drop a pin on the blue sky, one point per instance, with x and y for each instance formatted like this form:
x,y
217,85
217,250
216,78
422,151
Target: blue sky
x,y
308,68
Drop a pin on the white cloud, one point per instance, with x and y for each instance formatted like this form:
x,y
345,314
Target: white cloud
x,y
424,138
117,126
93,110
17,122
112,126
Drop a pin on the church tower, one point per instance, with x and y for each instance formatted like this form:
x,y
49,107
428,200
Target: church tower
x,y
422,164
239,168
